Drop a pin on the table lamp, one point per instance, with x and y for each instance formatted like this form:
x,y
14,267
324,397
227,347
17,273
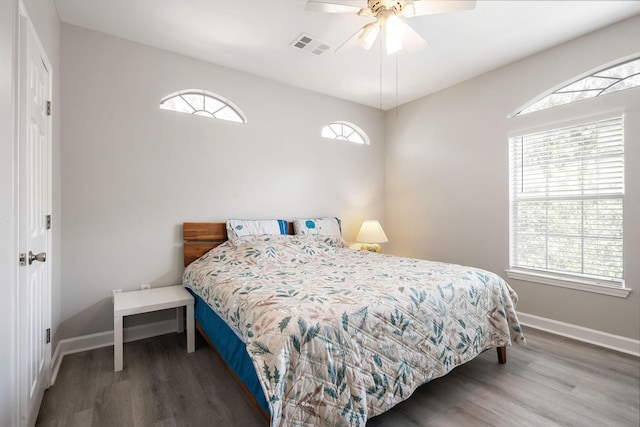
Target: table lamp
x,y
370,235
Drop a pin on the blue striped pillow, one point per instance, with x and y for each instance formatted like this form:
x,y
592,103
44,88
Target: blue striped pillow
x,y
251,227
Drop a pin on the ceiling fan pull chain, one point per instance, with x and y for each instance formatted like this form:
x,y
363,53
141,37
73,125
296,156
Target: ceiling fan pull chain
x,y
380,54
396,85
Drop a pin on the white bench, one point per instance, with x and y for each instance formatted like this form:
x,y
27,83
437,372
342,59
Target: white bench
x,y
144,301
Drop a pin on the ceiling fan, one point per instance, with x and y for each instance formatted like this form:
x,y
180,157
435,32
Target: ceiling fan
x,y
398,34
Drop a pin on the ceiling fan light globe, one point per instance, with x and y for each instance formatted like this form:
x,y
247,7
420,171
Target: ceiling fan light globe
x,y
395,29
393,45
369,35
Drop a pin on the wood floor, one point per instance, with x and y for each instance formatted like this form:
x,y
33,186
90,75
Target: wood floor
x,y
552,381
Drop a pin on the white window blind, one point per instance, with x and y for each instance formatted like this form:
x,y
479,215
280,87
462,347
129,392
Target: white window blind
x,y
566,202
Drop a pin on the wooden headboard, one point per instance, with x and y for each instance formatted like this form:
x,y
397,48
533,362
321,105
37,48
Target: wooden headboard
x,y
201,237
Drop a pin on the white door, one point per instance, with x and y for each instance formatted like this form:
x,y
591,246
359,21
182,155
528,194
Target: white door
x,y
34,201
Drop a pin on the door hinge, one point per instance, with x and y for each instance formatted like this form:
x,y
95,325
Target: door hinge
x,y
48,108
48,335
48,222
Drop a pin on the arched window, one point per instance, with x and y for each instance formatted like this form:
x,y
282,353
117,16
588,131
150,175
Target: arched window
x,y
621,76
345,131
202,103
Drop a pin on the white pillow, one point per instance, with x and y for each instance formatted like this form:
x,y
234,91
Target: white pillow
x,y
250,227
329,226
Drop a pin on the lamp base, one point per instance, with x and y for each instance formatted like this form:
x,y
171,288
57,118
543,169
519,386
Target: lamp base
x,y
371,247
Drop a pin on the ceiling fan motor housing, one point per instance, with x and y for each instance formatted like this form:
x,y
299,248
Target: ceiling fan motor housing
x,y
394,6
387,13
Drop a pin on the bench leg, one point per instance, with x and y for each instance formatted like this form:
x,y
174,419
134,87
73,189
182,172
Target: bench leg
x,y
117,344
191,344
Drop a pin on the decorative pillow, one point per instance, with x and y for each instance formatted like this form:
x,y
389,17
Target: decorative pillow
x,y
249,227
328,226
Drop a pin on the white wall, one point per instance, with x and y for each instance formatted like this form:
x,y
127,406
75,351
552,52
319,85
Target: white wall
x,y
447,173
132,173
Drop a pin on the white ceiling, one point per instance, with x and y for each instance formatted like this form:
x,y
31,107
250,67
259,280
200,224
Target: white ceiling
x,y
255,36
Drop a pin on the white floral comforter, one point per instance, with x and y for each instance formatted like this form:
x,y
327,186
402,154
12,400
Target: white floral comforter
x,y
338,336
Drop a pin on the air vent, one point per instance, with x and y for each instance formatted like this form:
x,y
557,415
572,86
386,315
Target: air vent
x,y
310,44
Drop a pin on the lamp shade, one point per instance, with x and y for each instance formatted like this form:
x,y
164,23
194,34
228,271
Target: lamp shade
x,y
371,232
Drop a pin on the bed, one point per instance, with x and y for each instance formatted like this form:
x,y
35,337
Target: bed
x,y
319,334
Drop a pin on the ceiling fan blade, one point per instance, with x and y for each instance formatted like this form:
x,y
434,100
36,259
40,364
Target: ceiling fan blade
x,y
412,41
351,41
319,6
432,7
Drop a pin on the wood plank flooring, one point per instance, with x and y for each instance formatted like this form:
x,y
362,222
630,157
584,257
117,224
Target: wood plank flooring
x,y
552,381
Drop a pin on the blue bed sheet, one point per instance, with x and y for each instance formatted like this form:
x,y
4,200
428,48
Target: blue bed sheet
x,y
230,347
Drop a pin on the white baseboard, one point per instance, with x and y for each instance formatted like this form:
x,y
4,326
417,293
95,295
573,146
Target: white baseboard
x,y
105,339
591,336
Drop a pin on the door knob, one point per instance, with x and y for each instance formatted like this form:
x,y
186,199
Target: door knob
x,y
41,257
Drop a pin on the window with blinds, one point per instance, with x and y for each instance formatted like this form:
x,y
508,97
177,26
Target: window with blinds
x,y
566,202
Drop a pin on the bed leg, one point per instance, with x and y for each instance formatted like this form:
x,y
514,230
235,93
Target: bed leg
x,y
502,355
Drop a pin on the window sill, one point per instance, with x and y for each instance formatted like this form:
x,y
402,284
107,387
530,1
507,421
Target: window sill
x,y
567,283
